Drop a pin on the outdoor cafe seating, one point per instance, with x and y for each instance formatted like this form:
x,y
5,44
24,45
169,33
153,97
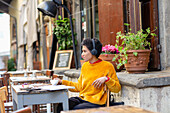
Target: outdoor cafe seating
x,y
19,85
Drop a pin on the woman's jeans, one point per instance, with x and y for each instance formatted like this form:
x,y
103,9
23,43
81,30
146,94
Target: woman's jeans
x,y
78,103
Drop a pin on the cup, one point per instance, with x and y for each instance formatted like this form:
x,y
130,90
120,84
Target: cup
x,y
34,74
54,82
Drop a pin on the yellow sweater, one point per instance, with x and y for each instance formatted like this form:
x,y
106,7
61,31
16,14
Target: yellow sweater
x,y
91,72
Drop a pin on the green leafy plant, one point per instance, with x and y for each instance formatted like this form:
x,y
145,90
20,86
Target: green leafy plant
x,y
132,41
11,65
62,30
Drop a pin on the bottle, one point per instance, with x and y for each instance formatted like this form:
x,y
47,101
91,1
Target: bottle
x,y
28,68
25,73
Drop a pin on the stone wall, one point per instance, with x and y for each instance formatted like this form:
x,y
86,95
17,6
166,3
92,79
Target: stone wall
x,y
150,91
153,99
164,32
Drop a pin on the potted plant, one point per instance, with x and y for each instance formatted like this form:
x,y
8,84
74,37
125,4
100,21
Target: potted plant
x,y
108,53
11,64
135,49
62,30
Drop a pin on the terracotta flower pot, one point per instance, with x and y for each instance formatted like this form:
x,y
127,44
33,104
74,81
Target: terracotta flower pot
x,y
109,57
139,63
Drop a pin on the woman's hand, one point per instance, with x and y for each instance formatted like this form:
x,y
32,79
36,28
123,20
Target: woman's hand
x,y
59,81
98,82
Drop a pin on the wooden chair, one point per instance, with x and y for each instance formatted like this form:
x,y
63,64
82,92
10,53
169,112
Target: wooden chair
x,y
23,110
1,81
57,76
49,73
6,83
36,65
110,102
3,100
5,77
108,95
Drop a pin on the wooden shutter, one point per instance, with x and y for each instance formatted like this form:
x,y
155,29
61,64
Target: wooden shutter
x,y
110,20
150,19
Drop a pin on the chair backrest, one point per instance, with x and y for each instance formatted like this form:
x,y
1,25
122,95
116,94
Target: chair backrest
x,y
1,81
3,97
4,93
23,110
4,78
36,65
57,76
109,101
49,73
2,107
106,89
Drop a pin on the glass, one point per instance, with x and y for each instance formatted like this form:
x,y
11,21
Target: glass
x,y
21,68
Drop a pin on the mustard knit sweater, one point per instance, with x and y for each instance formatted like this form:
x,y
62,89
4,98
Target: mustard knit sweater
x,y
91,72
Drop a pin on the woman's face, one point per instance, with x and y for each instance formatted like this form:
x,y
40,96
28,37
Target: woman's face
x,y
86,54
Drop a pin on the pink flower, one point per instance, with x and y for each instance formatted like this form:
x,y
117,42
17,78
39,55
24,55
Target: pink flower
x,y
109,49
103,49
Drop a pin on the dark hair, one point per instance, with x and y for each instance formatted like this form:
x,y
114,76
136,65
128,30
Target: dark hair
x,y
89,44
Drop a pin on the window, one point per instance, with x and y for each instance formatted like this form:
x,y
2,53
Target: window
x,y
89,18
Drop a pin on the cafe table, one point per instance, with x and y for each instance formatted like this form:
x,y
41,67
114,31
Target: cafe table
x,y
2,72
19,73
31,80
38,79
42,95
112,109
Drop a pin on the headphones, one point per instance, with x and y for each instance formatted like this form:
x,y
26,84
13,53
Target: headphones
x,y
93,51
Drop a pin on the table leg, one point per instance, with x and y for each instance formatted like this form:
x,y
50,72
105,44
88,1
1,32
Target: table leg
x,y
20,102
65,105
14,105
65,101
48,108
13,101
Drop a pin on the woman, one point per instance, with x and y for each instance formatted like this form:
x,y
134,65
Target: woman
x,y
95,74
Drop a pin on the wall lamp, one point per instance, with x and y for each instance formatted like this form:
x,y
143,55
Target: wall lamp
x,y
50,8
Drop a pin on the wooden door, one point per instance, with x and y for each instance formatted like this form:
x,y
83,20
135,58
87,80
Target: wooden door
x,y
149,11
111,20
143,14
